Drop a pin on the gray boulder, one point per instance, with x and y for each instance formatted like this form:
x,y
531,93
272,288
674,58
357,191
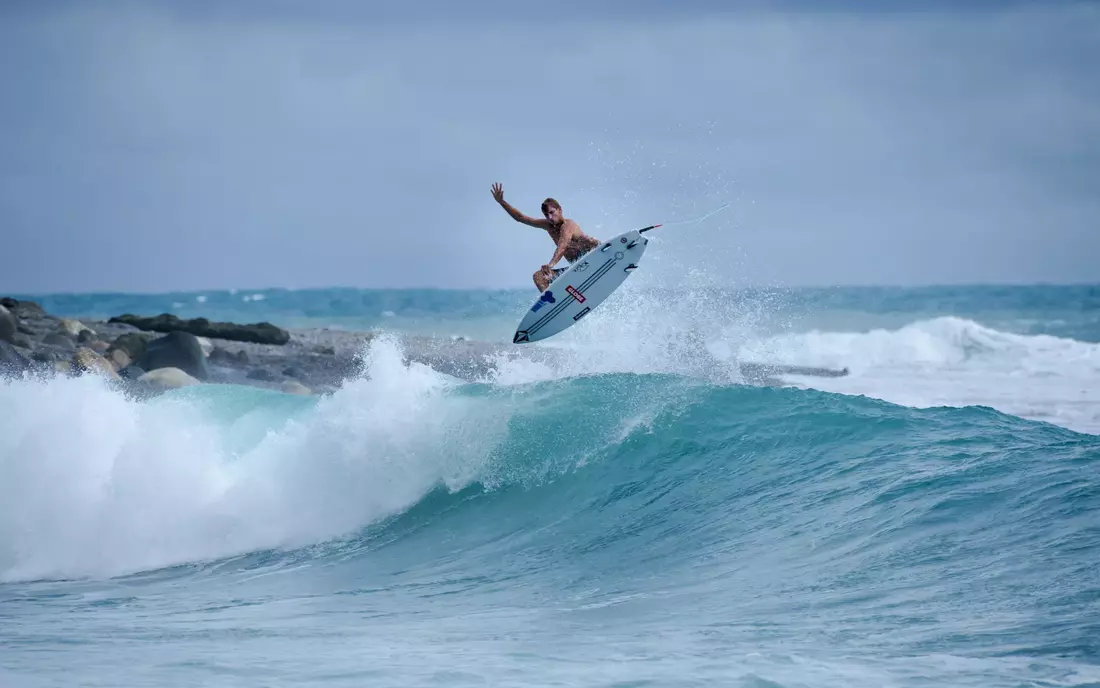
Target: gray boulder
x,y
224,357
8,325
74,328
12,362
131,372
28,310
169,378
127,348
175,350
88,361
46,356
257,333
60,341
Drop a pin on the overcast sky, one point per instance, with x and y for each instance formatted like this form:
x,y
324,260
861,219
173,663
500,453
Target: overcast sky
x,y
199,145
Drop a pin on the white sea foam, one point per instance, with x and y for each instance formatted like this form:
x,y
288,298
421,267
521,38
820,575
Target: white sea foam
x,y
951,361
92,483
640,331
945,361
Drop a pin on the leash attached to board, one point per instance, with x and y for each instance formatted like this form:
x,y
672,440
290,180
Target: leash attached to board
x,y
686,222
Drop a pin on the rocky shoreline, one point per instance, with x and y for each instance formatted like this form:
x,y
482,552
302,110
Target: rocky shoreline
x,y
146,356
150,355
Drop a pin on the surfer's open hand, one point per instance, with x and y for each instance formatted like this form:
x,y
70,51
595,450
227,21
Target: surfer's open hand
x,y
498,192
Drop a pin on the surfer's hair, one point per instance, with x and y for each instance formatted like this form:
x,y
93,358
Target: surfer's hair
x,y
550,203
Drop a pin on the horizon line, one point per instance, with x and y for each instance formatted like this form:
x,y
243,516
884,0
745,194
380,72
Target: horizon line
x,y
30,295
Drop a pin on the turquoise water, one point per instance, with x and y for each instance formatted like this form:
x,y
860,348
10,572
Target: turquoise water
x,y
630,517
1064,311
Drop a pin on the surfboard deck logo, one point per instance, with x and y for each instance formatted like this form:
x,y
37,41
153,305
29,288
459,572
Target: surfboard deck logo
x,y
547,297
576,292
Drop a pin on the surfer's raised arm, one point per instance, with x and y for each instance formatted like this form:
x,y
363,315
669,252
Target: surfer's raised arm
x,y
498,194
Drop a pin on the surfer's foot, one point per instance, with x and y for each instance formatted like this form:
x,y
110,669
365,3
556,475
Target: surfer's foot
x,y
543,278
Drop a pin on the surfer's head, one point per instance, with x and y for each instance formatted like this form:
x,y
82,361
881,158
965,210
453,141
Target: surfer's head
x,y
551,209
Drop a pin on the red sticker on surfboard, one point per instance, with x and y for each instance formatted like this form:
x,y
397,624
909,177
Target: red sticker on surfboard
x,y
575,294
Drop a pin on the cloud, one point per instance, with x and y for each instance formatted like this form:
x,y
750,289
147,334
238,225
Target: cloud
x,y
203,145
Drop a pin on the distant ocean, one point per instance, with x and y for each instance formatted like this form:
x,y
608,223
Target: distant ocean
x,y
635,515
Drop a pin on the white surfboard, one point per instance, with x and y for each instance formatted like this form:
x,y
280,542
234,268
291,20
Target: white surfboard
x,y
582,287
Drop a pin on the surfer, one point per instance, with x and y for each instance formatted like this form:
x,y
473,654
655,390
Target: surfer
x,y
570,242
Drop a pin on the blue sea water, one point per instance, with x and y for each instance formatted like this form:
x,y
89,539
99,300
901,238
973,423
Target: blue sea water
x,y
629,517
1071,311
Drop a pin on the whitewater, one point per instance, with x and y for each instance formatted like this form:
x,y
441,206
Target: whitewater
x,y
631,511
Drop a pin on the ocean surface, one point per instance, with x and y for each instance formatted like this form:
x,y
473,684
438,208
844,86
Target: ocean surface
x,y
635,515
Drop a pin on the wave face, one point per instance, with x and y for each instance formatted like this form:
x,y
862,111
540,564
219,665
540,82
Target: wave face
x,y
608,527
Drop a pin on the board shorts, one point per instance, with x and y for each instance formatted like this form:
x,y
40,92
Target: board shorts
x,y
557,271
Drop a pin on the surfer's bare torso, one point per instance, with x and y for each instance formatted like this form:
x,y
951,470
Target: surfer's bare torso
x,y
577,243
569,241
